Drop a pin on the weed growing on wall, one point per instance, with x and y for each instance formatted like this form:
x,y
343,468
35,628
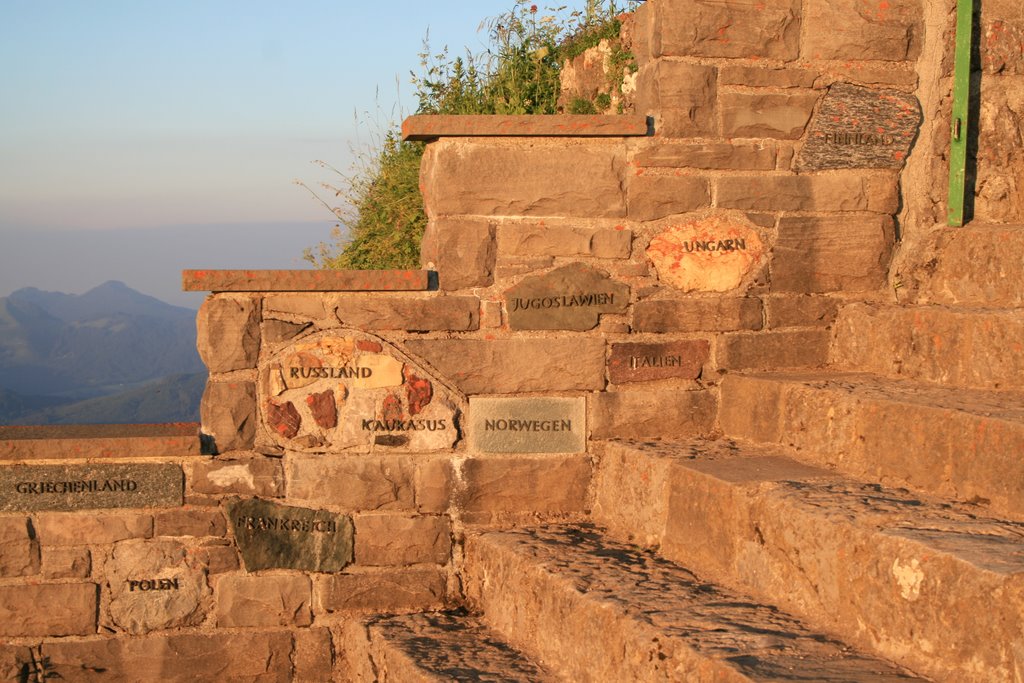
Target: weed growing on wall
x,y
378,206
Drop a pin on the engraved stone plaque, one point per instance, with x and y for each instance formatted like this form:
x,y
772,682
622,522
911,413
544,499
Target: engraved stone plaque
x,y
569,298
857,127
272,536
527,425
640,362
348,391
712,254
87,487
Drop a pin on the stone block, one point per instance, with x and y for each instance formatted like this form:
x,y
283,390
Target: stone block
x,y
713,314
852,30
509,366
767,77
19,549
279,331
290,306
645,361
263,601
393,590
999,197
194,521
874,191
510,485
272,536
530,178
305,280
650,197
680,96
545,240
649,413
66,562
84,441
352,483
313,655
228,411
769,350
800,311
751,115
228,333
434,482
244,475
426,127
462,251
383,540
527,424
218,556
829,254
716,253
48,609
753,156
395,312
572,297
100,528
85,487
734,28
490,314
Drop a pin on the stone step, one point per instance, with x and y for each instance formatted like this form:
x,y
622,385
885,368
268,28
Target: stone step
x,y
79,442
963,347
929,584
444,646
955,443
596,610
977,265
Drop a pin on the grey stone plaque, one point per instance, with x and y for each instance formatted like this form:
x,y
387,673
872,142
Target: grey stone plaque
x,y
32,488
857,127
527,425
569,298
272,536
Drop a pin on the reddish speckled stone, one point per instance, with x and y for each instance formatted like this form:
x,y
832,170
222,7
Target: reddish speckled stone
x,y
372,347
284,419
419,391
391,408
324,409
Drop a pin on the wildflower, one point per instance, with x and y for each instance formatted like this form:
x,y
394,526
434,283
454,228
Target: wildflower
x,y
533,9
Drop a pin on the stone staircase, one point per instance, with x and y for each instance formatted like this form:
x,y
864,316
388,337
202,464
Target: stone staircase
x,y
862,522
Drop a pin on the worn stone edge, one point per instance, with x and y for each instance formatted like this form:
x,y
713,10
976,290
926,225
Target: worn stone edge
x,y
305,280
426,127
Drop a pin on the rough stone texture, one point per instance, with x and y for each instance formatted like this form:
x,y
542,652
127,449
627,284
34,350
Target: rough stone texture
x,y
572,297
831,254
433,482
739,28
509,366
306,306
272,536
218,556
652,413
716,253
84,487
852,29
547,240
347,391
264,601
956,347
527,424
717,314
153,585
399,540
65,563
605,611
304,280
645,361
100,528
858,127
500,487
19,549
786,349
352,483
462,251
72,442
252,475
313,655
762,77
228,411
752,115
390,312
650,197
70,609
228,333
237,657
680,96
278,331
753,156
848,190
532,178
430,127
958,443
976,265
429,648
196,521
786,310
376,591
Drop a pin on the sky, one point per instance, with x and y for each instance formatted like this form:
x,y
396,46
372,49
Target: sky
x,y
139,138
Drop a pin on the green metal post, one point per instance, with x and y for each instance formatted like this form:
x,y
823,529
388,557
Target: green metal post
x,y
961,99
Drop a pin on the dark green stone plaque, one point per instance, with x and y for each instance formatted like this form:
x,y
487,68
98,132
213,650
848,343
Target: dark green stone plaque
x,y
272,536
30,488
